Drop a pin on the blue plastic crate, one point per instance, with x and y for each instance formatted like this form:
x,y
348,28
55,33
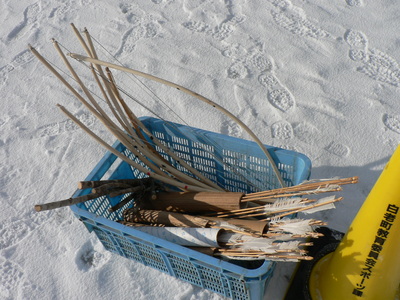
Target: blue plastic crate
x,y
235,164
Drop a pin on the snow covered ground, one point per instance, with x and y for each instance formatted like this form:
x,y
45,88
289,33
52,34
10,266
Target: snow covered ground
x,y
318,77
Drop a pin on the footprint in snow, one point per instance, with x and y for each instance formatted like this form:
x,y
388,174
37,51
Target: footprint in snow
x,y
338,149
222,30
67,126
19,60
91,256
278,95
253,61
12,232
61,13
282,130
281,99
13,284
375,63
392,122
30,17
138,32
357,3
293,19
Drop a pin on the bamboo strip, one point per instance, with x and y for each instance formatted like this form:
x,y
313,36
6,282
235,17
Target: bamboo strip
x,y
247,212
154,155
264,254
303,187
136,122
111,126
99,69
165,218
273,198
139,126
129,114
124,123
155,173
152,174
308,207
196,95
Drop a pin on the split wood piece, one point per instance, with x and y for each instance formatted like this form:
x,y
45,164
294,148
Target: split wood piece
x,y
110,187
254,226
274,213
122,203
210,251
197,202
234,250
285,236
134,189
131,182
67,202
166,218
307,186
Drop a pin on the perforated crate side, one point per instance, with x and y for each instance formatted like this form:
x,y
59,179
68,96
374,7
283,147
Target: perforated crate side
x,y
235,164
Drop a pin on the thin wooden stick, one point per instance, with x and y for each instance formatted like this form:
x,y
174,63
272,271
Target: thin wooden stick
x,y
303,187
247,212
110,186
126,191
196,95
122,203
140,126
146,148
67,202
106,121
132,182
150,173
273,198
159,174
263,254
91,52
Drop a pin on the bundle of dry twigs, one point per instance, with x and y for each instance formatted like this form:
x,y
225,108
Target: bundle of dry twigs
x,y
252,226
261,231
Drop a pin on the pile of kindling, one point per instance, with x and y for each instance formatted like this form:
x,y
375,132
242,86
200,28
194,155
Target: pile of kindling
x,y
178,202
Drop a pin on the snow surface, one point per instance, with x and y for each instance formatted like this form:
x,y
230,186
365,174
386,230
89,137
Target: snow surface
x,y
318,77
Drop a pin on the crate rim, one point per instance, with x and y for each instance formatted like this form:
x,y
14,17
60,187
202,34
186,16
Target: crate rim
x,y
217,264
